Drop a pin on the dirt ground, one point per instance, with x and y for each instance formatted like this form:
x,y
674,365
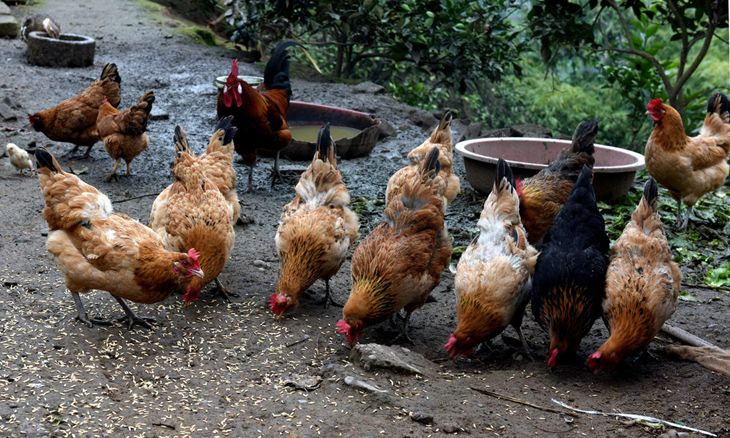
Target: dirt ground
x,y
216,369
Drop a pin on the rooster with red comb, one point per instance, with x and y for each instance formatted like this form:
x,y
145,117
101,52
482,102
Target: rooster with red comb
x,y
260,115
687,166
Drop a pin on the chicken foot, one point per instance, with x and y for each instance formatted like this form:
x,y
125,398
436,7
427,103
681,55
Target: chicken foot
x,y
223,292
114,170
686,219
83,316
132,317
327,300
404,333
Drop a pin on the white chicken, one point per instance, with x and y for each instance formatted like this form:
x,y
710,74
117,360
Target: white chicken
x,y
20,159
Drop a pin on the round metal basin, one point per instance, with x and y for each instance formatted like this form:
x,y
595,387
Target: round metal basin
x,y
69,50
614,169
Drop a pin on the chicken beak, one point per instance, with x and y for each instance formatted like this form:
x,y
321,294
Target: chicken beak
x,y
187,303
198,273
278,317
646,113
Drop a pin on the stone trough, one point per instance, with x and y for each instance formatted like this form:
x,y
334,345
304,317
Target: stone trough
x,y
69,50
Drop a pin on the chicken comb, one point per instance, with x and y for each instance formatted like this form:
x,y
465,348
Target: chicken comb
x,y
593,360
343,327
234,73
653,104
451,345
193,254
518,186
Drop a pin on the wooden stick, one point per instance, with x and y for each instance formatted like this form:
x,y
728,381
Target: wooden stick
x,y
634,417
136,197
686,337
707,286
516,400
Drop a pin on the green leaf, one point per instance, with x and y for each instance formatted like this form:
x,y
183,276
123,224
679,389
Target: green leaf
x,y
719,276
652,30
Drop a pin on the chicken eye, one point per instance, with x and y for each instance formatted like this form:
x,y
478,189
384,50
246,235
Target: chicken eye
x,y
185,262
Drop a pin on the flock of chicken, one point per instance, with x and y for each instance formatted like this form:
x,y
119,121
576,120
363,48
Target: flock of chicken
x,y
571,281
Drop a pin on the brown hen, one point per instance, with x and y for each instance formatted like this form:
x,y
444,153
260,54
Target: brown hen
x,y
98,249
316,229
74,120
123,132
400,262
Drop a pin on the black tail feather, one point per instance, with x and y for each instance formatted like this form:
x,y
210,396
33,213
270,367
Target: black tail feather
x,y
584,136
181,143
276,73
110,71
651,193
584,179
504,171
223,123
724,104
432,163
149,97
325,143
44,159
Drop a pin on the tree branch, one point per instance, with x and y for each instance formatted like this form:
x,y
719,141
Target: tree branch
x,y
698,58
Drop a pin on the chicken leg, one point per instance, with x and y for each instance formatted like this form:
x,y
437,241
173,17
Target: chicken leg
x,y
83,316
275,173
132,317
114,170
223,292
404,333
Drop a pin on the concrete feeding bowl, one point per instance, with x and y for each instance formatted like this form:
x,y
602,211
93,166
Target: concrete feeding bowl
x,y
304,114
69,50
614,169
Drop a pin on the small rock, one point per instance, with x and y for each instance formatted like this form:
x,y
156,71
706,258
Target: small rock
x,y
261,264
372,356
422,417
306,383
245,219
530,130
428,122
368,87
386,130
4,9
351,381
404,127
495,133
451,428
6,112
464,130
8,26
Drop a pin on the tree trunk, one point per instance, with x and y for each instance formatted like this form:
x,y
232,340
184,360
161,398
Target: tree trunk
x,y
340,37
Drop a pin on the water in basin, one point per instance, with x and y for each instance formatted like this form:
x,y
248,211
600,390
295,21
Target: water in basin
x,y
309,132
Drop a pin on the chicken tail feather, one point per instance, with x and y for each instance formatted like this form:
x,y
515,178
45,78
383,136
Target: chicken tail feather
x,y
110,72
276,72
326,147
149,97
651,194
46,161
584,135
504,172
431,166
720,104
444,124
181,142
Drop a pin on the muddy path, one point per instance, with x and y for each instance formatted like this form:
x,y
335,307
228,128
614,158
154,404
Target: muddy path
x,y
216,369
